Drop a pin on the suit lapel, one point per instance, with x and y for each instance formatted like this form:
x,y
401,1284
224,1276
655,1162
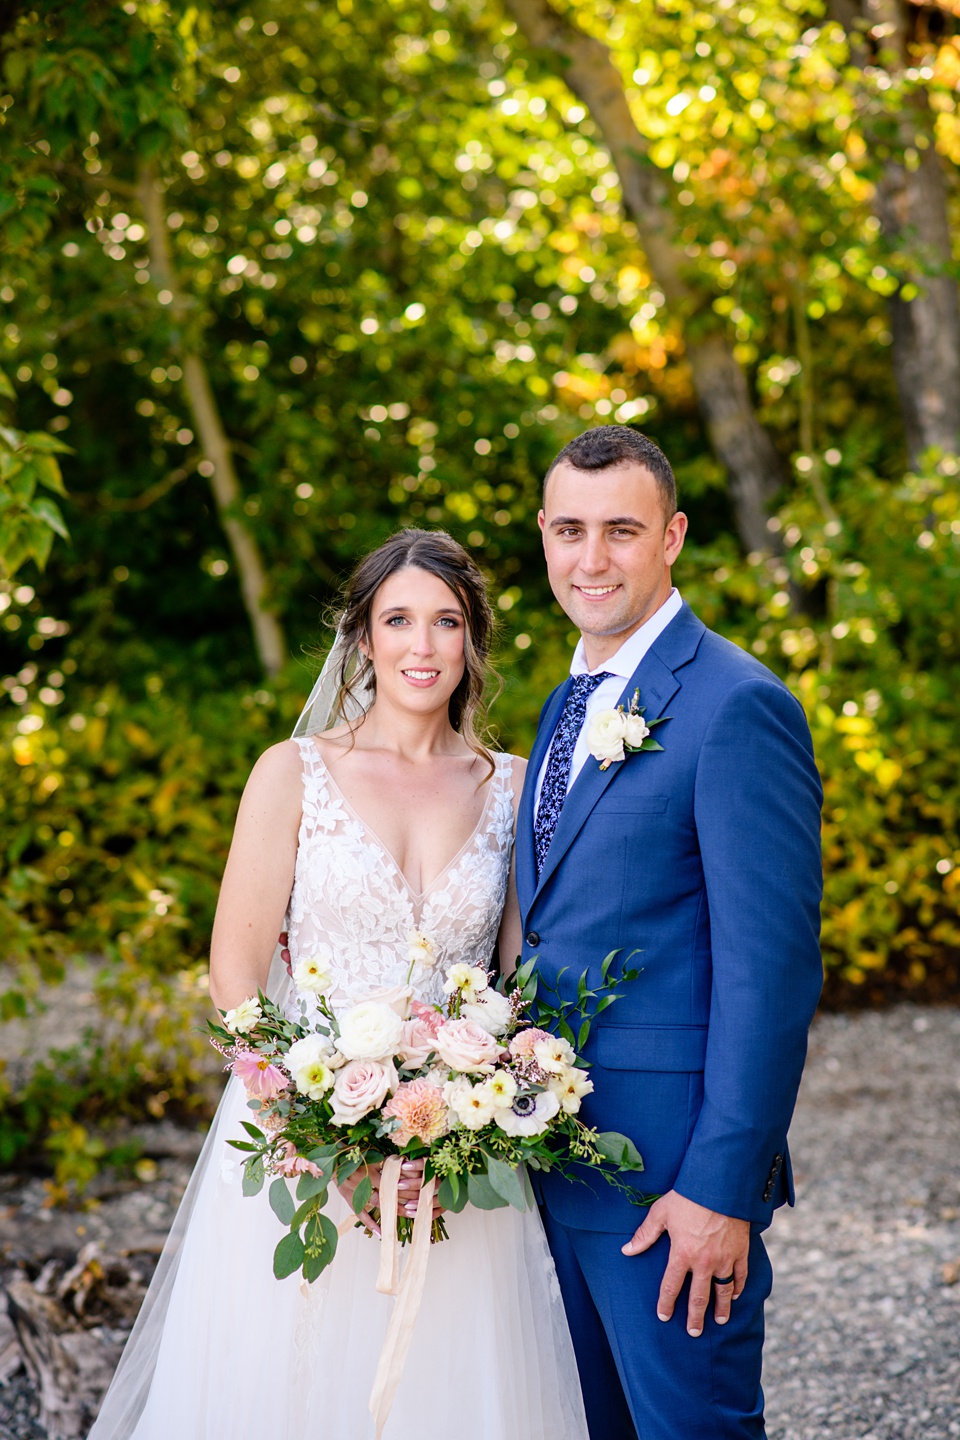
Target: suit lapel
x,y
526,858
657,682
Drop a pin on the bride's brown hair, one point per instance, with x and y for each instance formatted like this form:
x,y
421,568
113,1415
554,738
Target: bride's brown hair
x,y
439,554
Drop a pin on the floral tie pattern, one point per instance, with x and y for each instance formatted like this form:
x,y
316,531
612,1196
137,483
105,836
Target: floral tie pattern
x,y
554,790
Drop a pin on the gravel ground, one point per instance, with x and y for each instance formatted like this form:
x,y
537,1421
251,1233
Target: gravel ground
x,y
864,1324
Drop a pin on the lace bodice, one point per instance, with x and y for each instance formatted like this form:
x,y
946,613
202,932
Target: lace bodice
x,y
351,903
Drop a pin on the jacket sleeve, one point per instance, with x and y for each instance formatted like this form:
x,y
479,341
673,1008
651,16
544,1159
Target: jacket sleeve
x,y
757,812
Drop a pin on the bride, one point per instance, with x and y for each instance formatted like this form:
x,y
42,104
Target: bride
x,y
397,819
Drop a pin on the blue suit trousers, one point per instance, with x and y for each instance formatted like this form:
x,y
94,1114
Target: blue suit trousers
x,y
669,1385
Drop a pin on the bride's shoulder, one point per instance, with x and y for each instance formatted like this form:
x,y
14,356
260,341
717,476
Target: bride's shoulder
x,y
281,765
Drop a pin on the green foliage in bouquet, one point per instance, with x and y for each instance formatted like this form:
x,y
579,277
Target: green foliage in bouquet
x,y
480,1093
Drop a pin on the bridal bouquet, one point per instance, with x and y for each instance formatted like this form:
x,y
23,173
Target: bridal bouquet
x,y
475,1088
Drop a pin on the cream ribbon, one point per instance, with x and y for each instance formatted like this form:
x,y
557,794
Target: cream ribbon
x,y
409,1292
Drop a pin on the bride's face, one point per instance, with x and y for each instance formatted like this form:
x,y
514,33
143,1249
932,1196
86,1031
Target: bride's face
x,y
416,640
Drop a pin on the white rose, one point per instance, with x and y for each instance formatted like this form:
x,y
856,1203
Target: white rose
x,y
360,1087
308,1061
635,731
533,1122
313,973
491,1010
605,735
554,1055
570,1088
243,1018
369,1031
472,1106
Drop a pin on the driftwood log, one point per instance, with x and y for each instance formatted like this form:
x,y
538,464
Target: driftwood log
x,y
67,1328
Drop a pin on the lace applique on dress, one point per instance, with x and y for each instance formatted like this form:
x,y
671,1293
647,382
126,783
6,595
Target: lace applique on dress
x,y
350,896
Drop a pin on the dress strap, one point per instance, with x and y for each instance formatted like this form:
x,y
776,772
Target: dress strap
x,y
310,757
313,785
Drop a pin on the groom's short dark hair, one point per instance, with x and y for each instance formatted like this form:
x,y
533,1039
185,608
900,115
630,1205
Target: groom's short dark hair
x,y
607,445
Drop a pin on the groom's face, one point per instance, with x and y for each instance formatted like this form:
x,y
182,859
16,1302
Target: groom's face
x,y
609,547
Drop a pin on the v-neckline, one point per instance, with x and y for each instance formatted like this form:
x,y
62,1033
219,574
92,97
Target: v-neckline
x,y
416,895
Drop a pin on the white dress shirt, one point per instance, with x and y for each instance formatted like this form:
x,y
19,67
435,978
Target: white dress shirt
x,y
620,667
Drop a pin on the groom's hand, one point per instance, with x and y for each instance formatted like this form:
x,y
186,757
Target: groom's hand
x,y
705,1245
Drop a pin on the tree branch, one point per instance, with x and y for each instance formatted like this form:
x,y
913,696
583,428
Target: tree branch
x,y
747,451
268,635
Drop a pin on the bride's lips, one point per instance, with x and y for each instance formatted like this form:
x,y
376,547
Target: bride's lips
x,y
421,678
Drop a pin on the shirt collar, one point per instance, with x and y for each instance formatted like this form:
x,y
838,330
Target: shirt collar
x,y
632,651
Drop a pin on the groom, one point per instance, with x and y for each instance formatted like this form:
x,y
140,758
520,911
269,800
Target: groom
x,y
705,858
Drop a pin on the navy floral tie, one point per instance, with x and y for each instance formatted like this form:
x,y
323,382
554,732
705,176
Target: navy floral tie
x,y
554,789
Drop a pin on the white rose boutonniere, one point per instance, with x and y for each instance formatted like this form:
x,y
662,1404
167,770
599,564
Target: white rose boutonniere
x,y
614,734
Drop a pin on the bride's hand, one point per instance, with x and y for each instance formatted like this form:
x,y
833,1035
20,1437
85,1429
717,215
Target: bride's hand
x,y
347,1188
408,1190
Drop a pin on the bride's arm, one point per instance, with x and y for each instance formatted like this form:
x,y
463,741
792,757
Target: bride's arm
x,y
510,939
258,877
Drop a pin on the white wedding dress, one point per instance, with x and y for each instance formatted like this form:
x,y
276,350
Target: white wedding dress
x,y
222,1350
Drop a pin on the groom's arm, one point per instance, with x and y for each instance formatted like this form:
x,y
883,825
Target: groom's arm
x,y
757,803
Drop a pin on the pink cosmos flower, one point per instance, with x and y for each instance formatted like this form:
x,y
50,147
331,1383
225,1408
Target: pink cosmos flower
x,y
258,1077
523,1042
291,1164
421,1110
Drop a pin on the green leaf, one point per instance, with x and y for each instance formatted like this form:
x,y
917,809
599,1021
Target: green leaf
x,y
310,1185
507,1181
321,1240
288,1256
452,1194
252,1131
281,1201
482,1194
361,1196
6,389
583,1034
253,1176
619,1150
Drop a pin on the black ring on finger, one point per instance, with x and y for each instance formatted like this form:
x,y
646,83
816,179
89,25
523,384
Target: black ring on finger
x,y
724,1280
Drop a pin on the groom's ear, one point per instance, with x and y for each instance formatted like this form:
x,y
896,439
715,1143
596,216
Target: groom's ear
x,y
541,520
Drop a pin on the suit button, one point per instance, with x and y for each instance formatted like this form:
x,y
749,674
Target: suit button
x,y
533,938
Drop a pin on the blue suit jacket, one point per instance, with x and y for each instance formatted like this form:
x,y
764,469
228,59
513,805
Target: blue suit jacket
x,y
705,858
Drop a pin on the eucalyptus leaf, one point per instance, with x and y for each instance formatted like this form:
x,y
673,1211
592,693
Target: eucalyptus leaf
x,y
288,1256
281,1201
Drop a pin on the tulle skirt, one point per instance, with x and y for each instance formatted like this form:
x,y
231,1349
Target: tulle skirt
x,y
221,1348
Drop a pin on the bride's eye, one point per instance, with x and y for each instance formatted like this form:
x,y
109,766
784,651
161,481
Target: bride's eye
x,y
449,621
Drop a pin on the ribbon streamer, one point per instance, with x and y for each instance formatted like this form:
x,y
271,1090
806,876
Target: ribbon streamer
x,y
410,1290
389,1245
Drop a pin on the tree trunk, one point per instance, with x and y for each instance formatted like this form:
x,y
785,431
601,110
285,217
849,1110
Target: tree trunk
x,y
911,205
267,633
753,465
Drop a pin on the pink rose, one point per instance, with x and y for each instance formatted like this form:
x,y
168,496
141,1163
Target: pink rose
x,y
466,1046
522,1043
360,1087
417,1041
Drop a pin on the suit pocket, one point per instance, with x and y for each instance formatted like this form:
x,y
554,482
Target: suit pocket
x,y
678,1049
626,804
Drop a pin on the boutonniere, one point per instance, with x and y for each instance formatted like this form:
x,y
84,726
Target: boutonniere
x,y
615,734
